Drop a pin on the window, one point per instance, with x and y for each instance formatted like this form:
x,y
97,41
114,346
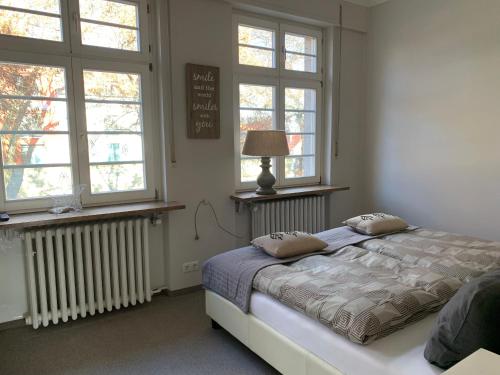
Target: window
x,y
257,111
256,46
278,91
118,21
39,19
79,114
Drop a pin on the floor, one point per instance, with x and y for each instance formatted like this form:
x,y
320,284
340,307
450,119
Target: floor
x,y
171,335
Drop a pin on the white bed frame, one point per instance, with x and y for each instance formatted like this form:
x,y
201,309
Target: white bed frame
x,y
279,351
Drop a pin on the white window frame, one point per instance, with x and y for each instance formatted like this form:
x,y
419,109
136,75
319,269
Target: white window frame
x,y
92,51
34,45
300,84
281,78
147,139
260,24
53,61
298,30
257,81
74,58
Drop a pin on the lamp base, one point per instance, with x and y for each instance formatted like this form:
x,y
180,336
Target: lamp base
x,y
266,179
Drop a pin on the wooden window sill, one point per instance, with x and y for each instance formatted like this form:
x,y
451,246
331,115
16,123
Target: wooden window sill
x,y
40,219
291,192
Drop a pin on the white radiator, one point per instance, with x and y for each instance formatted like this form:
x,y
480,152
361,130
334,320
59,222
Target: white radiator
x,y
303,214
77,270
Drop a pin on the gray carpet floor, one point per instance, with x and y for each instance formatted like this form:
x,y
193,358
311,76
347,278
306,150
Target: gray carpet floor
x,y
171,335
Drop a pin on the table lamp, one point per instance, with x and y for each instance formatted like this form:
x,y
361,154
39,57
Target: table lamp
x,y
265,143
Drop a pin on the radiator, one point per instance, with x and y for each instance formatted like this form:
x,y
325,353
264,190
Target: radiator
x,y
303,214
76,270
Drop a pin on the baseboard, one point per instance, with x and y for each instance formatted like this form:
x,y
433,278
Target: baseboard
x,y
12,324
179,292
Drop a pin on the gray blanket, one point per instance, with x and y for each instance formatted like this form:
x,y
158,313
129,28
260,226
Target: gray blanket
x,y
231,274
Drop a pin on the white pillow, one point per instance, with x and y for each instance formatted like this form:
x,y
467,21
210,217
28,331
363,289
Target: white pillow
x,y
377,223
289,244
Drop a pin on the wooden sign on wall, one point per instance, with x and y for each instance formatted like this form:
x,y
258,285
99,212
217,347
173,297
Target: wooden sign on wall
x,y
203,102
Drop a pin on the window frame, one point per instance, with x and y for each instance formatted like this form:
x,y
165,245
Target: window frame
x,y
82,140
257,81
71,55
259,24
87,51
34,45
281,78
313,85
55,61
301,31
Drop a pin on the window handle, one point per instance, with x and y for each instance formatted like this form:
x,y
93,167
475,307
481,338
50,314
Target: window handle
x,y
76,20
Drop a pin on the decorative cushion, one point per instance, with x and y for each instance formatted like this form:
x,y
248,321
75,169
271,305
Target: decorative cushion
x,y
289,244
469,321
374,224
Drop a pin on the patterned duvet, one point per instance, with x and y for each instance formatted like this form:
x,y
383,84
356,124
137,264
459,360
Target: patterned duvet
x,y
368,291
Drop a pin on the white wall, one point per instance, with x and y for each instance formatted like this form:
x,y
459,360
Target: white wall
x,y
201,34
348,169
433,128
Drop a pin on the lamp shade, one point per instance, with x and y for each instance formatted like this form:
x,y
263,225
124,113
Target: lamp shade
x,y
265,143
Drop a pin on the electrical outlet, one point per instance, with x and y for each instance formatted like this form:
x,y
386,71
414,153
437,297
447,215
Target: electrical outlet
x,y
191,266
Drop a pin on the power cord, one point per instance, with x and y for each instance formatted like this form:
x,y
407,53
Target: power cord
x,y
207,203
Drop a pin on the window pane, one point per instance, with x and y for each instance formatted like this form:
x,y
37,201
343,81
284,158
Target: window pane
x,y
300,99
300,43
300,63
115,37
250,169
49,6
256,120
35,149
122,31
113,117
300,144
24,183
30,25
40,115
255,37
256,57
32,80
115,147
116,177
18,114
300,122
112,86
296,167
256,96
109,11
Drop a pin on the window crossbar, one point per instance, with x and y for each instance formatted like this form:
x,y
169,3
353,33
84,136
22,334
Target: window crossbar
x,y
111,24
112,101
300,53
114,132
33,132
301,110
25,166
28,97
117,162
256,47
31,11
257,109
300,156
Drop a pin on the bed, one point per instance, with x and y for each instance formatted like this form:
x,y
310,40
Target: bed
x,y
296,341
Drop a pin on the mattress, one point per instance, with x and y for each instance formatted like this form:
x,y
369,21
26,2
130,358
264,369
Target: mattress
x,y
400,353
